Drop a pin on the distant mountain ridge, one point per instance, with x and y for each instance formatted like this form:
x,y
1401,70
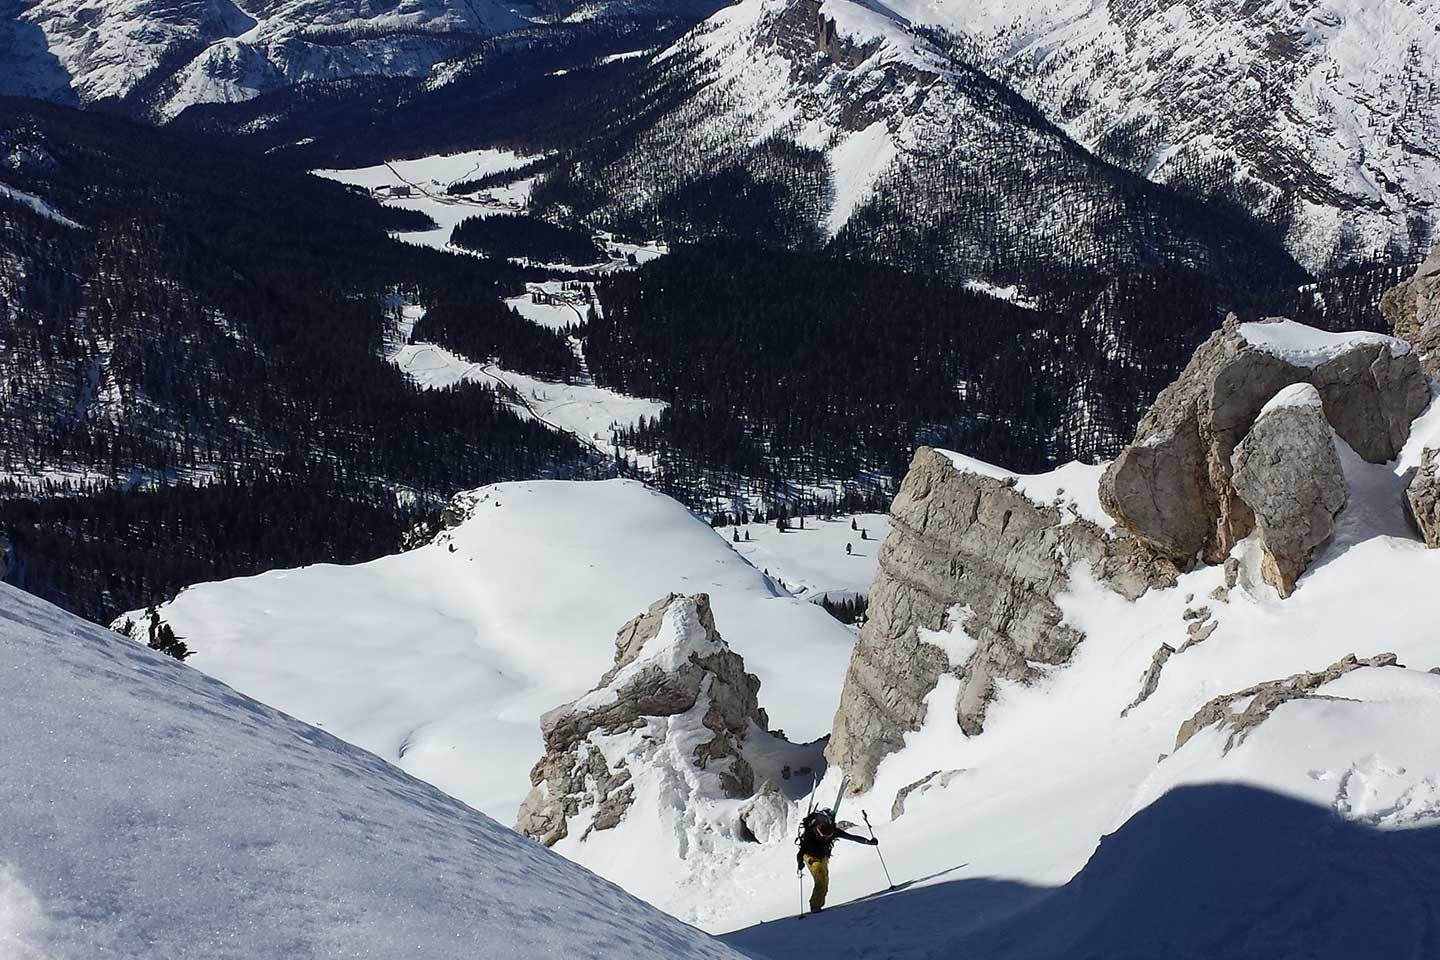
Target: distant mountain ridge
x,y
855,133
157,57
1319,115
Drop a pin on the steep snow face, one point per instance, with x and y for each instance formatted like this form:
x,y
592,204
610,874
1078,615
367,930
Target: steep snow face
x,y
153,811
174,53
1322,112
979,829
1058,766
443,659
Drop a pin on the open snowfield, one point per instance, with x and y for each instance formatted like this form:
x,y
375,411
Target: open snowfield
x,y
151,811
812,562
442,660
430,173
429,176
584,410
555,316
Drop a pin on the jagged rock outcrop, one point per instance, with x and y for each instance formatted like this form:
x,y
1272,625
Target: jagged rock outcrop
x,y
1150,680
1413,312
935,778
975,545
1172,488
1288,472
670,662
1257,703
1422,497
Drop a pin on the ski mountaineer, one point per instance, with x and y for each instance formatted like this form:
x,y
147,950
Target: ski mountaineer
x,y
817,837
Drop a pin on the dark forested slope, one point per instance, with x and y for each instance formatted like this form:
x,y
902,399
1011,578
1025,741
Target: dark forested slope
x,y
190,313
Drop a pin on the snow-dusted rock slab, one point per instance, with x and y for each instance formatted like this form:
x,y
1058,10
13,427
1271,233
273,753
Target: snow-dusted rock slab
x,y
1237,714
151,811
1288,472
1422,497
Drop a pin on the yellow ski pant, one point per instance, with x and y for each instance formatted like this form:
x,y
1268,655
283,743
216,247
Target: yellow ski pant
x,y
820,870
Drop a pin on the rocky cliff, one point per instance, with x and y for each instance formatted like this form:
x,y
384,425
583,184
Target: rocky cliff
x,y
676,694
1248,441
967,584
1173,488
1413,312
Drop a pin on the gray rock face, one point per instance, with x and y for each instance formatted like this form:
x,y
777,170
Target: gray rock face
x,y
1422,497
574,773
961,541
935,778
1288,471
1261,700
1172,488
1150,680
1413,312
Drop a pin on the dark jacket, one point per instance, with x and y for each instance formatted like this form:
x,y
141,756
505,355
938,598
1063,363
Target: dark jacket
x,y
814,845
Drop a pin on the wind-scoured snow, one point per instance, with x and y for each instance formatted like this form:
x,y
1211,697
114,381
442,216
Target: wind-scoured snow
x,y
442,660
152,811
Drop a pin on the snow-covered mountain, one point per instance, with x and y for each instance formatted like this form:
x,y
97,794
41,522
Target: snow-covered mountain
x,y
1042,713
1321,115
838,121
152,811
164,55
442,659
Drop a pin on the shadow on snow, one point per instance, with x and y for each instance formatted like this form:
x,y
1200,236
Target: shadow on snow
x,y
1214,872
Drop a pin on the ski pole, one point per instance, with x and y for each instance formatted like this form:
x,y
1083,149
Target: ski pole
x,y
800,876
877,849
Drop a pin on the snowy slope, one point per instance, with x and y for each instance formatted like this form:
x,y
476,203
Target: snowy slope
x,y
930,160
1335,101
442,660
1057,767
991,852
174,53
151,811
